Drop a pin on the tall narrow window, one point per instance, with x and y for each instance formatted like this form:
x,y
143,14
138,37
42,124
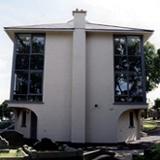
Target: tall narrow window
x,y
129,72
131,119
28,71
24,119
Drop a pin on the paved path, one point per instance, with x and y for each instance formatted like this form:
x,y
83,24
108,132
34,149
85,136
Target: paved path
x,y
152,137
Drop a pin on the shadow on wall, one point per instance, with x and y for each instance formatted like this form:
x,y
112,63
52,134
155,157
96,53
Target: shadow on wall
x,y
127,126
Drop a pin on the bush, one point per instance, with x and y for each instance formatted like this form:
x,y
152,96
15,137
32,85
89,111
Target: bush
x,y
14,138
45,144
138,158
150,154
5,124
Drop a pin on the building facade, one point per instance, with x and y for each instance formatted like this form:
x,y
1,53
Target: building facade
x,y
78,81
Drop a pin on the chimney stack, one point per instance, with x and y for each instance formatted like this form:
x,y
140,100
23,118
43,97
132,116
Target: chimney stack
x,y
79,18
78,117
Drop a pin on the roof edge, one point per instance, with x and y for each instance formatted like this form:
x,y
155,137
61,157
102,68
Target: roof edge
x,y
141,29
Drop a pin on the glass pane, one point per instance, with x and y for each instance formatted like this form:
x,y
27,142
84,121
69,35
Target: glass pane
x,y
121,99
135,64
35,98
121,84
135,85
120,46
22,61
36,62
23,43
19,97
38,44
121,63
20,82
136,99
134,45
36,83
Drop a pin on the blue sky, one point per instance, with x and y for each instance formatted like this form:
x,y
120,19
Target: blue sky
x,y
137,13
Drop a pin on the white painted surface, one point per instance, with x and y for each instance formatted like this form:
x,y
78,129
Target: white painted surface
x,y
78,73
24,130
78,112
125,132
100,120
54,117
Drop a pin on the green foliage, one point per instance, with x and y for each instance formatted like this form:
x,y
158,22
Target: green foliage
x,y
149,125
157,104
12,154
150,154
5,124
154,154
5,111
138,158
152,63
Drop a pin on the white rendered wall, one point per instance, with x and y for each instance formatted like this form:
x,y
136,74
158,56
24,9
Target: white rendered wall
x,y
56,117
125,132
18,126
54,114
54,121
78,111
102,123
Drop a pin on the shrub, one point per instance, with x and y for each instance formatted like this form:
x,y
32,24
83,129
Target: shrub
x,y
150,154
45,144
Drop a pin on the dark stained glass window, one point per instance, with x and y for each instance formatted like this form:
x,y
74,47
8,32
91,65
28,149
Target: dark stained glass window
x,y
128,57
28,73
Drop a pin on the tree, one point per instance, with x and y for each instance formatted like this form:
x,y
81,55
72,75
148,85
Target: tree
x,y
5,111
152,65
157,104
156,109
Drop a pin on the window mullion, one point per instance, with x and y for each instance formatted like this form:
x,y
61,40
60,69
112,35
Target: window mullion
x,y
28,89
143,70
127,68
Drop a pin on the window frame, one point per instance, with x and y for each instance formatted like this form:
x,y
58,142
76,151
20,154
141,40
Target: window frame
x,y
128,72
29,70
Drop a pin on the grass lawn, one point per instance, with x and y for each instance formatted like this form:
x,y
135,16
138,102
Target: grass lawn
x,y
11,153
149,125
